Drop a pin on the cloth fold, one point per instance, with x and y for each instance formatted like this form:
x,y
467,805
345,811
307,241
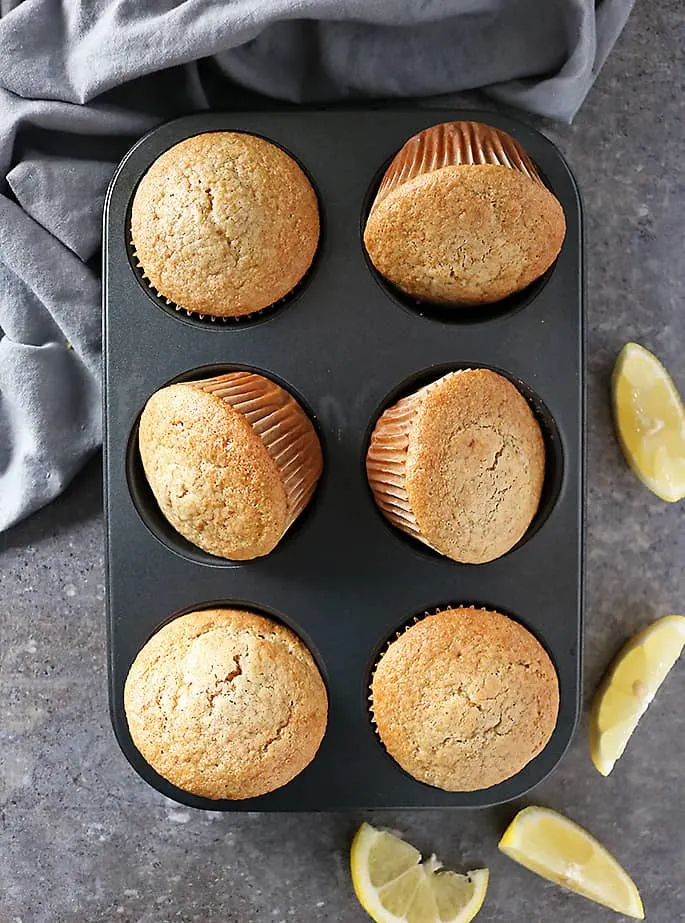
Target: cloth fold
x,y
80,80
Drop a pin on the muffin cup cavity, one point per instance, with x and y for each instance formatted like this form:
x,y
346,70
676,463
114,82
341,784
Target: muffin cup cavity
x,y
305,214
444,145
387,443
284,423
511,636
197,679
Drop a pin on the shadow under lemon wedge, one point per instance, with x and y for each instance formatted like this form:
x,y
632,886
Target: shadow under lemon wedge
x,y
650,421
393,885
562,852
629,686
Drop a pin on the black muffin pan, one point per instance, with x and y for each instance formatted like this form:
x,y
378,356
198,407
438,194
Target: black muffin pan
x,y
346,345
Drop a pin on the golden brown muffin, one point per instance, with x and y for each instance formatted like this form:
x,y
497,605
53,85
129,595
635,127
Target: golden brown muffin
x,y
459,465
226,704
224,224
464,699
232,461
462,217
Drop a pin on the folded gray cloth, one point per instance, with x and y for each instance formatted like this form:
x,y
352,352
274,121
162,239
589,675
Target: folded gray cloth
x,y
81,79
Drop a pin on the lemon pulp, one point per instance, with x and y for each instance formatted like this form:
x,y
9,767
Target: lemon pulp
x,y
650,421
393,885
560,851
630,685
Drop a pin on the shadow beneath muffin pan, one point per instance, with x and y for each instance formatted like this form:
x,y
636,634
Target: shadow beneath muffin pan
x,y
449,314
144,500
206,321
554,454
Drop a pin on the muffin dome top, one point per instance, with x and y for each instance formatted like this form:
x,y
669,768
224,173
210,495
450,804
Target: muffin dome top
x,y
224,703
464,699
224,224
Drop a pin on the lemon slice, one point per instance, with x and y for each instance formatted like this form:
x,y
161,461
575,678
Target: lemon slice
x,y
630,685
650,421
393,885
553,846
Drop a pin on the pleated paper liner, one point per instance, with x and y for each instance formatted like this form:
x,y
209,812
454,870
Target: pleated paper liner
x,y
222,320
454,144
386,459
283,426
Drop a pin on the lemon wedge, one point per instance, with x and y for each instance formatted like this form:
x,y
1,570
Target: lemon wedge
x,y
559,850
630,685
650,421
393,885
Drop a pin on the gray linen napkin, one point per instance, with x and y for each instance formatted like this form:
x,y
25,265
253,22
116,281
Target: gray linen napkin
x,y
81,79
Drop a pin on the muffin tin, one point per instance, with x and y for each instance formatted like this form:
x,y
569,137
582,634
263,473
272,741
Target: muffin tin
x,y
346,345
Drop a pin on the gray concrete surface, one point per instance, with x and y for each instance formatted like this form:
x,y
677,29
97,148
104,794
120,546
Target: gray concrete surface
x,y
83,839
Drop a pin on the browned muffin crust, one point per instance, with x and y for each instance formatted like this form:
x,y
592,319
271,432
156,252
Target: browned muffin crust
x,y
226,704
224,224
464,699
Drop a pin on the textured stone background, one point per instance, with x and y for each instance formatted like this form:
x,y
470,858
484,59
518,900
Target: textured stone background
x,y
83,840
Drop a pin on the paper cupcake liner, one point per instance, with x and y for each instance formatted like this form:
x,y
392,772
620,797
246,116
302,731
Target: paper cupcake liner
x,y
451,144
386,460
285,429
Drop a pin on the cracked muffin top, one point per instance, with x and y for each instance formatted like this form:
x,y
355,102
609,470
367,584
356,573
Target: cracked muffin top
x,y
460,465
224,224
464,699
224,703
462,217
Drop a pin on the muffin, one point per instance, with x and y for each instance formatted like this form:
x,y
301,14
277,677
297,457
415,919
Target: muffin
x,y
464,699
226,704
224,224
462,217
232,461
459,465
